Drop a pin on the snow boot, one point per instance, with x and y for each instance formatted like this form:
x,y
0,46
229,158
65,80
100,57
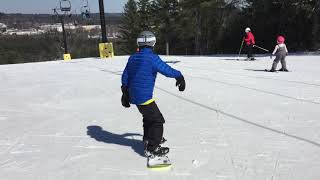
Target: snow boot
x,y
145,142
158,151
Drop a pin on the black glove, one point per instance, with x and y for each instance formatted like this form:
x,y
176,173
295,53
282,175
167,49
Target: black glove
x,y
125,98
181,83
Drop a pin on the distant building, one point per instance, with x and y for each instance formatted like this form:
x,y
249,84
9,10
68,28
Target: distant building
x,y
23,32
3,28
112,30
57,27
90,27
93,30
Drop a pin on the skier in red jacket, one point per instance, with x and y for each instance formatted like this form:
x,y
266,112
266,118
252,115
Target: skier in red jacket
x,y
250,42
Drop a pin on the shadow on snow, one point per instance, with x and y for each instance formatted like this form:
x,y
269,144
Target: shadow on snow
x,y
97,133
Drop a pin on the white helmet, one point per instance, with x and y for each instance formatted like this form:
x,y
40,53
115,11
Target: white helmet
x,y
146,38
247,29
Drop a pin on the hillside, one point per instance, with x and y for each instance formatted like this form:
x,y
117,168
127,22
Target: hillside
x,y
64,120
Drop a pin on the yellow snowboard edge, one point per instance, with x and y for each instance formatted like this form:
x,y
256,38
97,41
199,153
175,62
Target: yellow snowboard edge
x,y
160,167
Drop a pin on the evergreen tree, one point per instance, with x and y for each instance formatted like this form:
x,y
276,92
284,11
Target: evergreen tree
x,y
192,13
165,13
297,20
217,26
129,29
316,25
206,22
145,15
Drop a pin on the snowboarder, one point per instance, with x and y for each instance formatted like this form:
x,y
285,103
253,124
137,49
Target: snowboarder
x,y
250,42
138,81
281,52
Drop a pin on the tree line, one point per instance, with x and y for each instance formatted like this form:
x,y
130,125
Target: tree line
x,y
182,27
47,47
200,27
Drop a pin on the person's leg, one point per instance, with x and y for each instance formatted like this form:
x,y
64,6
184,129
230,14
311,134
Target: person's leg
x,y
251,52
249,49
153,124
284,64
146,125
275,63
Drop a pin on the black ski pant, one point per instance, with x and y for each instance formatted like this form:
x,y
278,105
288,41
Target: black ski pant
x,y
250,51
152,125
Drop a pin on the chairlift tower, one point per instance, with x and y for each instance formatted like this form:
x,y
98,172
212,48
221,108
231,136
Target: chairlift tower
x,y
105,47
64,10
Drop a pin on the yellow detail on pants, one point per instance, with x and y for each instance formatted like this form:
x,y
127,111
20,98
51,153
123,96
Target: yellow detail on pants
x,y
148,102
67,57
106,50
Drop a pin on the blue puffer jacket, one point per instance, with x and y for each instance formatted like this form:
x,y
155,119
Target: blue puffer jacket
x,y
141,72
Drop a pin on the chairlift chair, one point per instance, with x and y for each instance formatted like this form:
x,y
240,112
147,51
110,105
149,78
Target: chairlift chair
x,y
85,9
65,5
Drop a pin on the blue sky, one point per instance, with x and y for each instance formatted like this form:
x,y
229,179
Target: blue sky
x,y
45,6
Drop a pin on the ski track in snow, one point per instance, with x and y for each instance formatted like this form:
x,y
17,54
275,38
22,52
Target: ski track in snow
x,y
256,77
258,90
47,107
235,117
238,85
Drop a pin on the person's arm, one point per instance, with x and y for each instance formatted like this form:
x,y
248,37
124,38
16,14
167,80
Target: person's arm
x,y
286,49
164,68
125,98
252,39
124,77
275,50
168,71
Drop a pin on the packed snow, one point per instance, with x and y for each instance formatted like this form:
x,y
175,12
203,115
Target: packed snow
x,y
64,120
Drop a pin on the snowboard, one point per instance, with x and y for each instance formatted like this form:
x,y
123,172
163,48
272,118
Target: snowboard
x,y
159,162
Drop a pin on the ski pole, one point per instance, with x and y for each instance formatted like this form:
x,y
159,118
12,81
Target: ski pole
x,y
240,48
261,48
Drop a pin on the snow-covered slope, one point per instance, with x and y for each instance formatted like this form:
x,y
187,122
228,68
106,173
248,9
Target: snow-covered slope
x,y
64,120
